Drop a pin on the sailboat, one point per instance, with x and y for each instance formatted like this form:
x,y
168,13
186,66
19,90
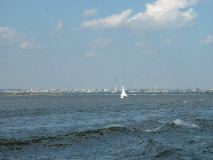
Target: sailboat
x,y
123,93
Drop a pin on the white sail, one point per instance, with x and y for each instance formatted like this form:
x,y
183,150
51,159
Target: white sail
x,y
123,93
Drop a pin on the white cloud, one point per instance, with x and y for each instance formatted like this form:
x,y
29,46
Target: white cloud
x,y
25,45
90,12
60,25
96,46
110,21
164,13
29,45
208,40
9,35
161,13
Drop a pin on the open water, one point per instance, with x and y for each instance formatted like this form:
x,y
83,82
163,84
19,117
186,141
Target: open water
x,y
106,127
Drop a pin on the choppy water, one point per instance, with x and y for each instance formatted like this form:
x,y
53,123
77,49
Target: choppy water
x,y
106,127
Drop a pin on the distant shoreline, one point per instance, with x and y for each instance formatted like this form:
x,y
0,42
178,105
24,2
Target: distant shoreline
x,y
98,94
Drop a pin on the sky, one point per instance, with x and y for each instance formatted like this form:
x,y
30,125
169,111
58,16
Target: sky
x,y
105,44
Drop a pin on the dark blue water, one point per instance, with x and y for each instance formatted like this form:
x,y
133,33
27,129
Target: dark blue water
x,y
106,127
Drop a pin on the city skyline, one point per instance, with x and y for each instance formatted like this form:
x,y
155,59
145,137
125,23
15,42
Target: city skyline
x,y
99,44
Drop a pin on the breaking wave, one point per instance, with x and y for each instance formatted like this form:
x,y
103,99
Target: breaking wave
x,y
171,125
179,122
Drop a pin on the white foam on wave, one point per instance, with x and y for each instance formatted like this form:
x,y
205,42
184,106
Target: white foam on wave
x,y
114,125
152,130
177,122
185,102
180,122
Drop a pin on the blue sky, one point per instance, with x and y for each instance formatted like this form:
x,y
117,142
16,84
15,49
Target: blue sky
x,y
102,44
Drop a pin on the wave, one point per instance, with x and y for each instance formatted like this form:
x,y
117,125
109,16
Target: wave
x,y
171,125
96,133
179,122
157,150
102,131
99,132
206,123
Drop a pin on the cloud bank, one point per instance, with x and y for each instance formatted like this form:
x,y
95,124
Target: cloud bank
x,y
161,13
